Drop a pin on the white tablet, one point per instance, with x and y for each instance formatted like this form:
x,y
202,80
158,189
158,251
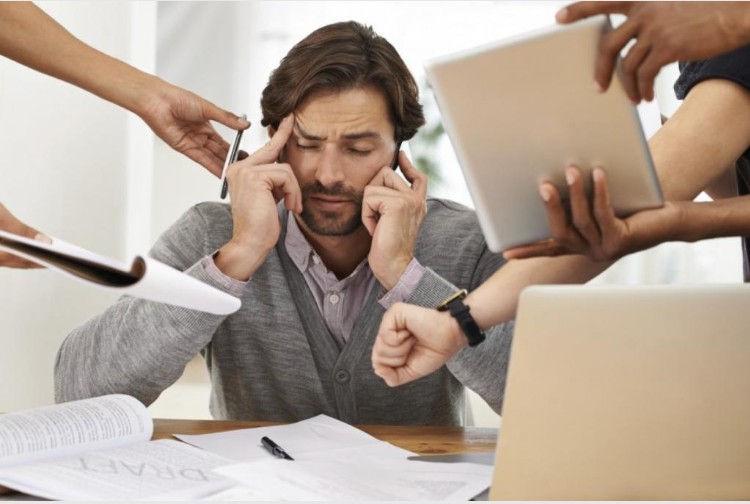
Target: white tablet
x,y
519,111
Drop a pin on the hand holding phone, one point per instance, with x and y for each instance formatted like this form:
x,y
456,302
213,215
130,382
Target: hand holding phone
x,y
231,158
394,161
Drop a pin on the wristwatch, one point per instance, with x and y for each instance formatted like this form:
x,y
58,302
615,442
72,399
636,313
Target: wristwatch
x,y
459,311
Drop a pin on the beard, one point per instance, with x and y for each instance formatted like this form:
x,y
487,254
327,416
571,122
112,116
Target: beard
x,y
331,223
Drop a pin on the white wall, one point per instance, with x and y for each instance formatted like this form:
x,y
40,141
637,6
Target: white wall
x,y
62,161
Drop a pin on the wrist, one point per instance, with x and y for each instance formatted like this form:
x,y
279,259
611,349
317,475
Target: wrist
x,y
457,337
462,316
390,278
143,94
680,225
238,261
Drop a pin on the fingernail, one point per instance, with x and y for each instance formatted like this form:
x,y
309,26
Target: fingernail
x,y
570,176
244,122
562,14
598,174
43,238
545,193
598,87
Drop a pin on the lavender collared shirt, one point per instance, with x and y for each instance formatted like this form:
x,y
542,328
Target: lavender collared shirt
x,y
339,301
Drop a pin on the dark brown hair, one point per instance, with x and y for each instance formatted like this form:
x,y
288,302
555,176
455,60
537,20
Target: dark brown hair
x,y
338,57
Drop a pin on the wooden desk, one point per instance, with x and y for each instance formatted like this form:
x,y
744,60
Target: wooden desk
x,y
422,440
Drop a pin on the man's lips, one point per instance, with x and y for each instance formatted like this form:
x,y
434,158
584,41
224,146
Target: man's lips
x,y
330,200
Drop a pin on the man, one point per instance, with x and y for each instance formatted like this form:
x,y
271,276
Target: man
x,y
314,274
696,150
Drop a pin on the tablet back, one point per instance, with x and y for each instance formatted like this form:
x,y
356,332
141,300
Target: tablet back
x,y
520,110
627,393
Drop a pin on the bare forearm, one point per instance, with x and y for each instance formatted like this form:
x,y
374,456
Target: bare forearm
x,y
496,300
31,37
714,219
689,156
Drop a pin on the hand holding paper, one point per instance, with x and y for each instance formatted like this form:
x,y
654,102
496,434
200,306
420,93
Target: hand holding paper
x,y
145,277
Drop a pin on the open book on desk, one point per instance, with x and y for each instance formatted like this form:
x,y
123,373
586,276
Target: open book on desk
x,y
99,449
145,277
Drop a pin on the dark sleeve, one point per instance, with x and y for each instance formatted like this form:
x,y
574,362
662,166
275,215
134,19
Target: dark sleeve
x,y
733,66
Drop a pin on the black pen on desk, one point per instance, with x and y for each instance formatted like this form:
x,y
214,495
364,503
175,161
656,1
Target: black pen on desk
x,y
275,449
234,151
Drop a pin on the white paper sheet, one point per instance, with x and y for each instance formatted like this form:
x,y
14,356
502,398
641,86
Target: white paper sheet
x,y
348,475
159,283
155,470
334,461
317,434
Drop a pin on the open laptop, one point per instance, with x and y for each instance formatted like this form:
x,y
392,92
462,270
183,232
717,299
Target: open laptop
x,y
627,393
518,111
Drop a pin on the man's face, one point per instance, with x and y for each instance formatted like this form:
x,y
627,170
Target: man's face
x,y
340,141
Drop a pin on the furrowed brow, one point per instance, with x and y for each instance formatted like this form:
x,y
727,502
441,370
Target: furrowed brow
x,y
304,134
362,135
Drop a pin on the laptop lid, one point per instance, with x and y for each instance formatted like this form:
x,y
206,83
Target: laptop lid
x,y
518,111
627,393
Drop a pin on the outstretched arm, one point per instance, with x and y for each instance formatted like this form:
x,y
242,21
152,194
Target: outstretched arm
x,y
180,118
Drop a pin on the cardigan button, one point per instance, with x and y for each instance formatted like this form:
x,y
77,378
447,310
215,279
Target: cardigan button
x,y
342,376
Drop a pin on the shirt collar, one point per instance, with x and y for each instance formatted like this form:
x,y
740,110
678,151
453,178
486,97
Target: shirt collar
x,y
296,244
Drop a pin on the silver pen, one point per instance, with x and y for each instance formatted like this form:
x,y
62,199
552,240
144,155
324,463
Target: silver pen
x,y
234,151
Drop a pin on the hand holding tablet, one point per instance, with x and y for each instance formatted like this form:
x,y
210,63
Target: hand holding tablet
x,y
522,110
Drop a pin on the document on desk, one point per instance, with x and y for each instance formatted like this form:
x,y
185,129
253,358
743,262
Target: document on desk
x,y
334,461
153,470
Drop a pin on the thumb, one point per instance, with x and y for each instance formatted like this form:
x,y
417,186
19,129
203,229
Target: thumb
x,y
225,117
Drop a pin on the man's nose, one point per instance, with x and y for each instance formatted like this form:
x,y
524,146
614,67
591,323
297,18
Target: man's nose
x,y
330,169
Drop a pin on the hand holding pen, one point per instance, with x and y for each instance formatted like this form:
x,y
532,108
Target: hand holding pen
x,y
256,185
232,155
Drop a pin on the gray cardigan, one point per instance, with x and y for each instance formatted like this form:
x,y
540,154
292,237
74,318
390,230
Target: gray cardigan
x,y
275,359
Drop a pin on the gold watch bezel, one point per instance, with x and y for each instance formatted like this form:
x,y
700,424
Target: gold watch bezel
x,y
460,294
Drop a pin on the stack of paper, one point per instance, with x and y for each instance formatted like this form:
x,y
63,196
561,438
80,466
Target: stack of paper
x,y
334,461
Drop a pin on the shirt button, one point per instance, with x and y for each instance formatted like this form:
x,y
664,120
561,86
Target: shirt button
x,y
334,298
342,376
316,259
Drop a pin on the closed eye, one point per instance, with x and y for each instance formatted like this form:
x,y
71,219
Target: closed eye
x,y
306,147
358,152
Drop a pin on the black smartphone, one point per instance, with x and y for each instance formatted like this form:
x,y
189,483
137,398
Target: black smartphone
x,y
394,162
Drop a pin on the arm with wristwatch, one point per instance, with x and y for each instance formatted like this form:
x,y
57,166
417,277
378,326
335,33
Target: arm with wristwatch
x,y
414,341
461,313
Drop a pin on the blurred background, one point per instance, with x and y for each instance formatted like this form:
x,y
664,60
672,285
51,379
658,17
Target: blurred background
x,y
79,168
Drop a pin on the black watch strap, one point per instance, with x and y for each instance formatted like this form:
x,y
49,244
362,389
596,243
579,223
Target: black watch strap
x,y
462,314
